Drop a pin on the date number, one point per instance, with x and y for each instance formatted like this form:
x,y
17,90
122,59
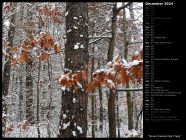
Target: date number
x,y
168,3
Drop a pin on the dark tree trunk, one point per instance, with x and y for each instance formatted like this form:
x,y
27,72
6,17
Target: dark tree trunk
x,y
29,80
29,93
21,98
118,118
111,100
129,98
101,105
7,66
101,110
73,116
93,100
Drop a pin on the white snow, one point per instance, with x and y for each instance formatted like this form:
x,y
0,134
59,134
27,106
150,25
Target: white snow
x,y
42,33
109,63
74,124
79,84
135,62
74,100
141,47
64,116
74,133
75,27
4,115
115,57
107,18
81,35
79,129
132,133
81,47
111,83
135,133
76,47
59,127
95,49
136,53
66,13
65,125
7,23
63,88
125,63
75,18
69,30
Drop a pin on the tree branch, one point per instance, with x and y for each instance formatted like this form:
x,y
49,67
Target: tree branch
x,y
135,42
94,41
90,7
92,37
122,7
129,89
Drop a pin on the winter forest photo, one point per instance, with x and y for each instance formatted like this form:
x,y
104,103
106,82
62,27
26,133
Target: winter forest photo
x,y
72,69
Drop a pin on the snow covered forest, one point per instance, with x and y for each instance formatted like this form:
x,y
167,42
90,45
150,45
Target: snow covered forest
x,y
72,69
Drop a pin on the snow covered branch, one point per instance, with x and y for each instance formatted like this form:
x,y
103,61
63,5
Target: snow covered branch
x,y
108,4
135,42
99,37
130,89
91,37
94,41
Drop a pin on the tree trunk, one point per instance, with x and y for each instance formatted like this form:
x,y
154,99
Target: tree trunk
x,y
129,99
7,66
111,100
29,93
118,118
21,98
73,116
50,100
93,99
101,106
29,81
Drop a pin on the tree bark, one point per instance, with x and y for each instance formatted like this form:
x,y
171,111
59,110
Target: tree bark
x,y
118,118
111,100
29,93
7,66
129,99
74,114
101,105
29,81
93,99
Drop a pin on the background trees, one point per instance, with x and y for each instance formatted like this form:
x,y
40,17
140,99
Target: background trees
x,y
69,66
